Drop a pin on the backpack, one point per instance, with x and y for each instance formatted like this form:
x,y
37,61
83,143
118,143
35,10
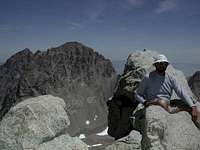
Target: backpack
x,y
120,109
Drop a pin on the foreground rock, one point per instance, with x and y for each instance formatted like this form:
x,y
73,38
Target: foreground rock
x,y
131,142
166,131
73,71
64,142
194,83
159,129
37,123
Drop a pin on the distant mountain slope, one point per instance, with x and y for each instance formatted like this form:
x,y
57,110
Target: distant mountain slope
x,y
72,71
194,83
188,68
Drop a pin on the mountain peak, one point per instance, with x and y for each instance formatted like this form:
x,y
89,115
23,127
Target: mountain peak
x,y
21,55
73,43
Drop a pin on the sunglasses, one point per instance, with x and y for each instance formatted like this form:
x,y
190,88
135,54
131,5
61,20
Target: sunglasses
x,y
162,63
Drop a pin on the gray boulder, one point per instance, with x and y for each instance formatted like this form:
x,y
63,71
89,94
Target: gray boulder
x,y
164,131
35,122
130,142
64,142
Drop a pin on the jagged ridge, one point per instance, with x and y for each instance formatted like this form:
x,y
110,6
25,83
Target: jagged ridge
x,y
72,71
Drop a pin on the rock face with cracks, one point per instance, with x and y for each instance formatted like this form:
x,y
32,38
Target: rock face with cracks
x,y
130,142
38,123
82,77
164,131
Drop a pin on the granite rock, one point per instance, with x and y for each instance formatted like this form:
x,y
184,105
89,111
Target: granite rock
x,y
37,123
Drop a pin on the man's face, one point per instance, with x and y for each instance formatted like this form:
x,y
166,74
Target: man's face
x,y
161,66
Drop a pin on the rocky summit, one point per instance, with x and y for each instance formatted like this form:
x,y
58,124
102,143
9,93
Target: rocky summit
x,y
153,128
72,71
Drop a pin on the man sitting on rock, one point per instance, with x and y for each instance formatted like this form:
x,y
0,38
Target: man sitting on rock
x,y
157,86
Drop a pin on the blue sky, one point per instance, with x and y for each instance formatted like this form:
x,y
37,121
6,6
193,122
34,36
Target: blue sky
x,y
114,28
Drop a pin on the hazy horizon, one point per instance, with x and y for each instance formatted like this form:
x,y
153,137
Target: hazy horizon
x,y
187,68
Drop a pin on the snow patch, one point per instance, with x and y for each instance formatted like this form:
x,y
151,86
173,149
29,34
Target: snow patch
x,y
87,122
81,136
103,133
95,145
110,98
95,117
82,84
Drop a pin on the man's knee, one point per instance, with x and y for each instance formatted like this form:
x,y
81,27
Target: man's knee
x,y
164,104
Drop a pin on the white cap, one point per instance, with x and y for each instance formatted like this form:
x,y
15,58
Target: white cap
x,y
161,58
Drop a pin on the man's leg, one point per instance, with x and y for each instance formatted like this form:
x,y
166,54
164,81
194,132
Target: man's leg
x,y
180,106
164,104
196,121
178,109
170,109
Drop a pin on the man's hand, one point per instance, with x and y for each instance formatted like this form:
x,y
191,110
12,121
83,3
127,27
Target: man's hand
x,y
146,103
194,113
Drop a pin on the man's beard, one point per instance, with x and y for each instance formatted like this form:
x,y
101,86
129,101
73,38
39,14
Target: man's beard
x,y
162,71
